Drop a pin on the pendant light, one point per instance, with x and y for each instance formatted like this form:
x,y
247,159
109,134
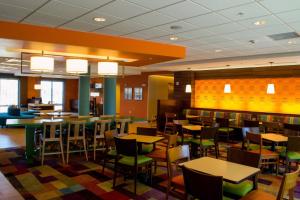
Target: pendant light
x,y
42,63
227,88
37,86
271,88
188,88
108,68
76,66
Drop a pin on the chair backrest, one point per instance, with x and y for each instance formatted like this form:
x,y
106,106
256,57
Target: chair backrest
x,y
243,157
254,138
172,140
271,127
76,129
206,121
101,126
251,123
109,139
123,123
250,129
51,128
208,133
291,129
288,184
293,143
223,122
175,155
146,131
126,147
202,186
170,117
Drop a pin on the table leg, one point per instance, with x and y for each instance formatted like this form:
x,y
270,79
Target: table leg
x,y
29,134
255,179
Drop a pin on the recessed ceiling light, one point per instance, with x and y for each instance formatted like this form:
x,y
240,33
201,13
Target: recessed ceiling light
x,y
260,22
218,50
252,41
240,14
291,42
99,19
173,38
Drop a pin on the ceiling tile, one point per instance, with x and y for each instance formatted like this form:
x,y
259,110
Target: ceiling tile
x,y
126,27
296,26
60,9
195,34
108,31
242,35
28,4
213,40
291,16
211,19
44,20
166,39
123,9
269,20
277,6
90,4
184,27
226,28
13,13
154,4
273,29
149,33
79,26
192,43
184,10
153,19
249,11
221,4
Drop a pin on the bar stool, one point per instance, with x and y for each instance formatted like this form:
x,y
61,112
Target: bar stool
x,y
76,132
52,132
100,127
123,124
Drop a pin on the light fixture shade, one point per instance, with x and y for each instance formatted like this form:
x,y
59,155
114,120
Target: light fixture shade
x,y
42,63
227,88
271,88
108,68
188,88
37,86
95,94
76,66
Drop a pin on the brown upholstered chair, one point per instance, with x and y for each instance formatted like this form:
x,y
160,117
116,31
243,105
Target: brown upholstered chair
x,y
288,185
169,125
267,157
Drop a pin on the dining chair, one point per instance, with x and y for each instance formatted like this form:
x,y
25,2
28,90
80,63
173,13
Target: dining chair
x,y
52,132
268,157
160,155
110,151
202,186
251,123
271,127
245,130
207,140
292,152
76,132
123,126
224,128
147,148
128,161
169,124
244,158
183,138
206,121
100,127
176,155
288,185
291,129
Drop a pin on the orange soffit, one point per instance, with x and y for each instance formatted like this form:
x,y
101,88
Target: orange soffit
x,y
24,36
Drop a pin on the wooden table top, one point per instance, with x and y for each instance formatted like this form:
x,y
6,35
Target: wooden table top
x,y
192,127
143,138
192,116
181,122
274,137
231,172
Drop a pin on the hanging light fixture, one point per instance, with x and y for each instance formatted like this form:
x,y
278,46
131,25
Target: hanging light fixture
x,y
37,86
42,64
77,66
108,68
271,88
188,88
227,88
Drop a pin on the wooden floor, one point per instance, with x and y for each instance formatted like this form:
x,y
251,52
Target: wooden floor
x,y
12,137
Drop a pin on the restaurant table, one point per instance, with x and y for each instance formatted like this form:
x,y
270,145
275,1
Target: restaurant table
x,y
143,138
192,127
275,138
231,172
32,124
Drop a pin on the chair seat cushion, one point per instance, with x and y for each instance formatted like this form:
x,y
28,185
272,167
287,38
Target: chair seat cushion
x,y
185,139
258,194
292,155
205,143
238,189
256,147
158,154
225,129
129,160
112,152
266,152
147,148
178,181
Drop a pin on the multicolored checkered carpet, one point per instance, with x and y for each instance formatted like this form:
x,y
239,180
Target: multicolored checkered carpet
x,y
85,180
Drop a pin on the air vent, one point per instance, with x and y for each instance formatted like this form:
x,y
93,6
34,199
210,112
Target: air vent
x,y
284,36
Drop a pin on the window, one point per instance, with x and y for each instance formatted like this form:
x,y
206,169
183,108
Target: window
x,y
138,93
52,92
9,93
128,93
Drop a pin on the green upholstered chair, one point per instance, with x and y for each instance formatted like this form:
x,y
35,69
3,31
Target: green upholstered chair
x,y
110,151
224,128
245,158
202,186
146,148
207,140
292,152
128,161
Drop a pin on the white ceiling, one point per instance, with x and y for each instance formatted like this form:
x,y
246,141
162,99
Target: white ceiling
x,y
207,25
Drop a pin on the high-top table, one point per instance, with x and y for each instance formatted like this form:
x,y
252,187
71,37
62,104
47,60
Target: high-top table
x,y
32,124
231,172
275,138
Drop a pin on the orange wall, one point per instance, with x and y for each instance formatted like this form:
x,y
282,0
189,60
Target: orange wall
x,y
31,92
249,95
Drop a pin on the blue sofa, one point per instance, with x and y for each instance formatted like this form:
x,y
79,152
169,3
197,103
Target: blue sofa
x,y
15,113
